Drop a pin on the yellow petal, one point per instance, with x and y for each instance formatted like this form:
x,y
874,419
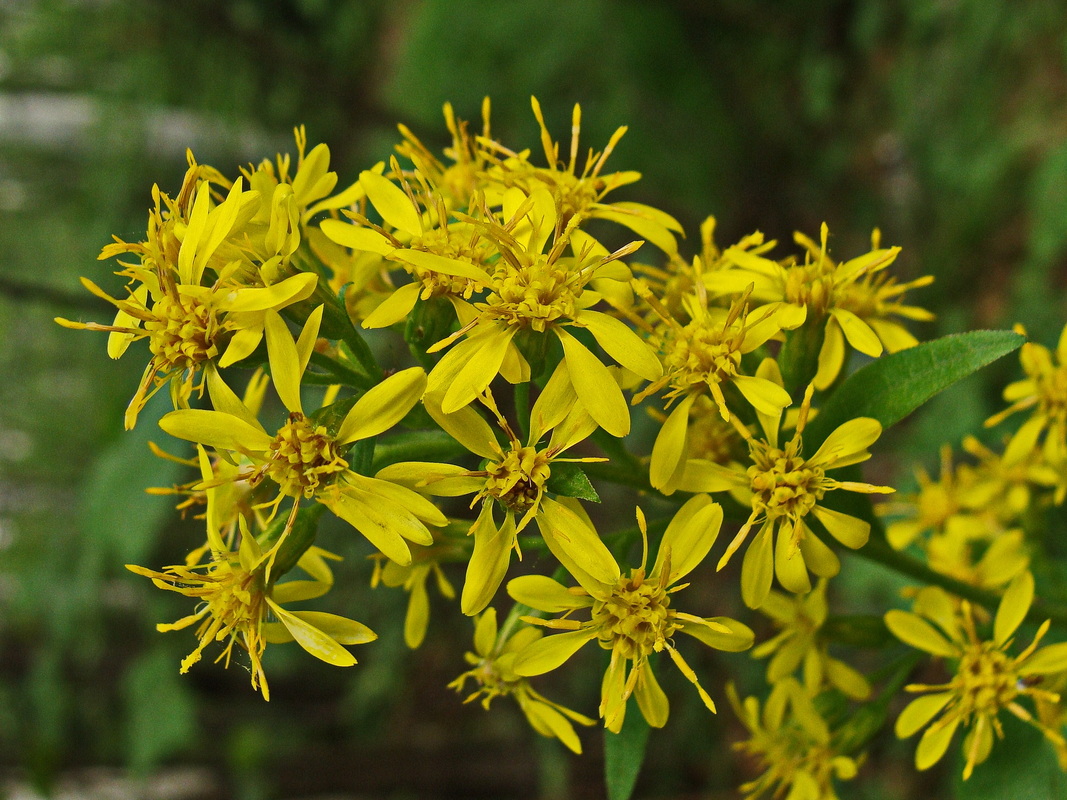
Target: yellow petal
x,y
383,406
378,530
1046,661
915,631
670,448
757,569
576,545
465,425
553,404
689,537
831,356
545,594
919,712
847,679
295,591
622,343
858,332
489,561
1013,607
847,440
651,698
393,308
358,238
547,721
484,355
934,744
215,429
312,639
595,386
765,396
485,633
284,361
341,629
789,563
739,638
417,618
442,265
390,498
819,558
848,530
546,654
391,202
278,295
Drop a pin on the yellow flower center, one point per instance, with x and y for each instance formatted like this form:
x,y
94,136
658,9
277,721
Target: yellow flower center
x,y
183,333
533,296
302,457
986,680
449,243
783,483
810,285
519,478
635,619
702,352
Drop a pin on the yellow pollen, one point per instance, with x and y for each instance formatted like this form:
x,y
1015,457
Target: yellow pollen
x,y
183,333
303,458
534,296
782,482
701,353
636,619
810,285
519,478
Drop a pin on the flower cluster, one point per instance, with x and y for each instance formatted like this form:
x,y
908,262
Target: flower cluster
x,y
540,308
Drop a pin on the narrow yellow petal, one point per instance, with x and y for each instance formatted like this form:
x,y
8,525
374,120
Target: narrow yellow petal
x,y
312,639
1013,607
671,447
848,530
915,631
215,429
622,343
858,332
651,698
383,406
391,202
545,594
689,537
544,655
284,360
757,569
576,544
340,629
348,235
595,386
489,561
485,353
934,743
919,712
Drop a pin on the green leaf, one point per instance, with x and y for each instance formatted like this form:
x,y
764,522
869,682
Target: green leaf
x,y
893,386
1022,764
569,480
624,753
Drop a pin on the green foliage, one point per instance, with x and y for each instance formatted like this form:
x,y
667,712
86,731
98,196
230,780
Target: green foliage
x,y
624,752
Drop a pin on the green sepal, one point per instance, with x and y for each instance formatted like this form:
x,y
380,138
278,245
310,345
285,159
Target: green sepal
x,y
893,386
624,753
300,538
569,480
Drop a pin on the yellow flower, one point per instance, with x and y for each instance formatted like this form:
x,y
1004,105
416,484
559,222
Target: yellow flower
x,y
514,477
700,359
853,301
1044,391
630,615
493,671
236,602
987,680
580,195
530,294
800,618
793,745
785,487
304,459
189,326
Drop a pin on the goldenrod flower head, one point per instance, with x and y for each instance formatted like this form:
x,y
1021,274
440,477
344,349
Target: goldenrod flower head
x,y
631,615
493,671
515,477
785,488
304,460
799,645
236,603
987,678
792,744
1044,392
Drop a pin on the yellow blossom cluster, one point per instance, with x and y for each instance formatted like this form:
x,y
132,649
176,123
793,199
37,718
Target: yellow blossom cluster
x,y
545,316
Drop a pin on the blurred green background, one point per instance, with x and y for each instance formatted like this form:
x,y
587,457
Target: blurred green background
x,y
944,123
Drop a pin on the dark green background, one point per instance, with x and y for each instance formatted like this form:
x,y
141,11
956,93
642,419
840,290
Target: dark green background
x,y
945,123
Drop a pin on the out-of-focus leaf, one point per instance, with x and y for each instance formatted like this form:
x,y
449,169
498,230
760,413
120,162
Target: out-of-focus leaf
x,y
161,714
1022,764
624,752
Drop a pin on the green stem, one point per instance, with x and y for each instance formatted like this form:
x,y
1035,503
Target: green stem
x,y
416,446
880,552
522,409
342,372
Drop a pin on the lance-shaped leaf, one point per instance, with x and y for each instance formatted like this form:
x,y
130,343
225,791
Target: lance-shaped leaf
x,y
893,386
